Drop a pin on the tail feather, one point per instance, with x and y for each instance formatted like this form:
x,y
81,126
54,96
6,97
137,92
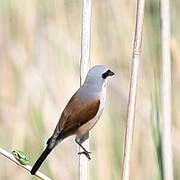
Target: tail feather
x,y
41,159
51,143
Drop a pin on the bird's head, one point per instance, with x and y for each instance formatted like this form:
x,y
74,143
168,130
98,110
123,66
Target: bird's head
x,y
97,76
95,81
99,73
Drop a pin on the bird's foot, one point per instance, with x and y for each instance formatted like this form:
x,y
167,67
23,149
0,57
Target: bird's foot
x,y
86,153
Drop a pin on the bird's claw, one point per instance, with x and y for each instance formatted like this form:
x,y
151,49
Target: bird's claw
x,y
86,153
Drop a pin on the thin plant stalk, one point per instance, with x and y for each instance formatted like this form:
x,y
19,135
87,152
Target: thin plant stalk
x,y
84,67
133,90
166,90
27,167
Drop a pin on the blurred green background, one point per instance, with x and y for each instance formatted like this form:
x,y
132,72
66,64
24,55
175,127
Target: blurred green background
x,y
39,71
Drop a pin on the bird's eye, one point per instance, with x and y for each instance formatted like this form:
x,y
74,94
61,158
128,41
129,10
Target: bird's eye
x,y
107,73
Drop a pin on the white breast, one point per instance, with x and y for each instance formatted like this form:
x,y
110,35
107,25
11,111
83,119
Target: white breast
x,y
84,129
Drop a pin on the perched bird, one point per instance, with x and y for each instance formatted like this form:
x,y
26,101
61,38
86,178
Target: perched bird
x,y
81,113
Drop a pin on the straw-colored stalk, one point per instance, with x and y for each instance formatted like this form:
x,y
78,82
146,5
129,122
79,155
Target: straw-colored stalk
x,y
27,167
84,64
133,90
166,90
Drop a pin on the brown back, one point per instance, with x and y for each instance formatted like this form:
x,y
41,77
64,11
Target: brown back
x,y
77,113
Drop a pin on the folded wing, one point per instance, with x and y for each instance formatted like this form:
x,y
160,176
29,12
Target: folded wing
x,y
77,113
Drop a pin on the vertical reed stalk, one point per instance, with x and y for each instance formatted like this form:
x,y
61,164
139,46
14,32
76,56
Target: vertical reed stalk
x,y
84,64
166,90
133,89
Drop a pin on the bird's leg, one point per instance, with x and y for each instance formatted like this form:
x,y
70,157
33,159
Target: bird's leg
x,y
85,152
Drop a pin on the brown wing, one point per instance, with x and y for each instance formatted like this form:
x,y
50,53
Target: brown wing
x,y
77,113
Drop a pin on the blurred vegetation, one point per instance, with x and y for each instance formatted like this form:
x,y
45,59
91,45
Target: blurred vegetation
x,y
39,71
156,131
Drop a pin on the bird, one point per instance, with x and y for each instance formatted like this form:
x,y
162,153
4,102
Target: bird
x,y
81,113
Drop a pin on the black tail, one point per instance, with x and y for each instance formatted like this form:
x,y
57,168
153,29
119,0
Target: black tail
x,y
41,159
